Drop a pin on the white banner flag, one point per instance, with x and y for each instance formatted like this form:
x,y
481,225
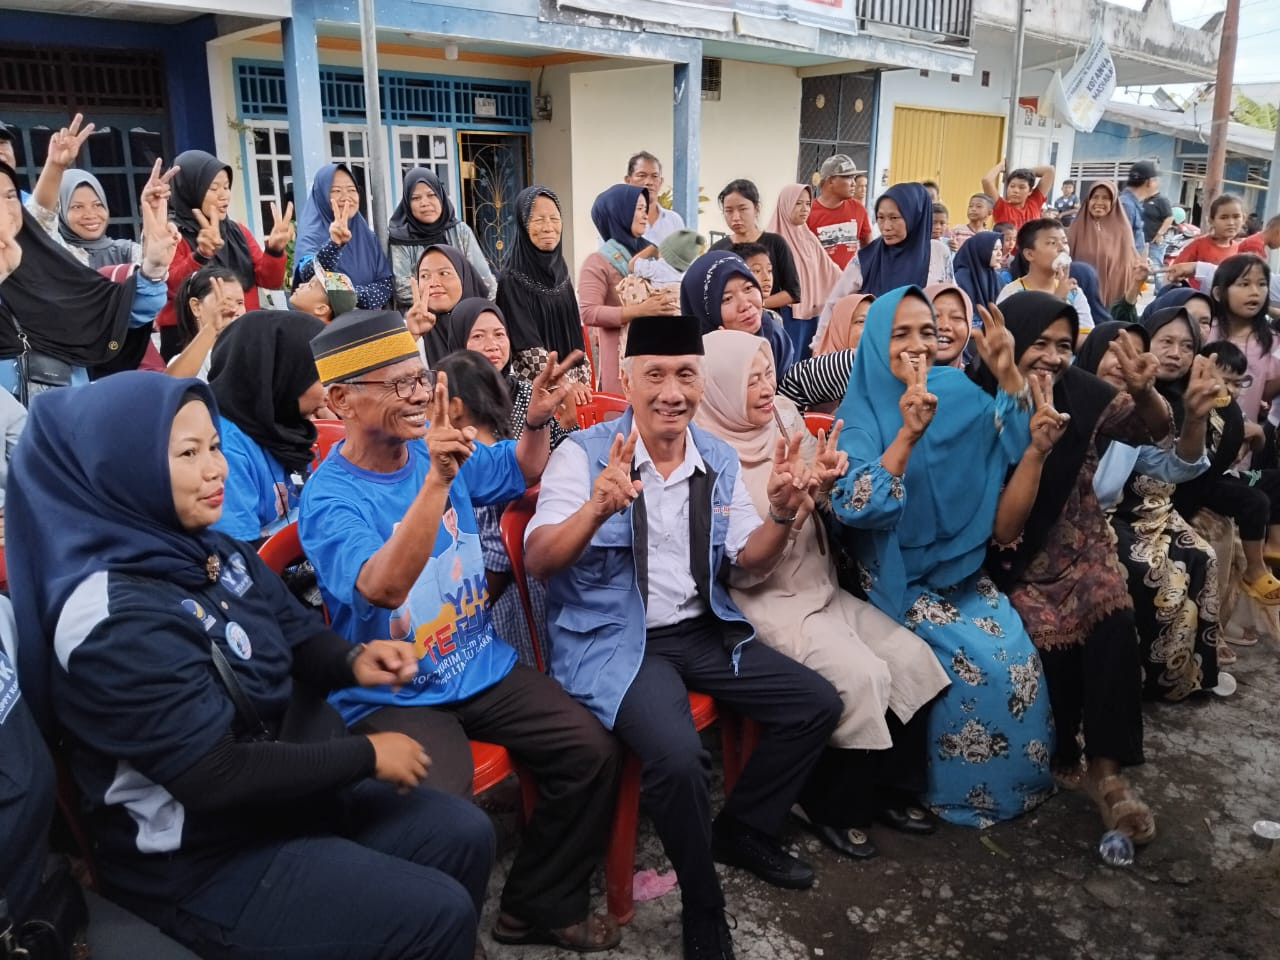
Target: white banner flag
x,y
1082,95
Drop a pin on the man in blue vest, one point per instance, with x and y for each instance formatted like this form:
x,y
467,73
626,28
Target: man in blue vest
x,y
635,537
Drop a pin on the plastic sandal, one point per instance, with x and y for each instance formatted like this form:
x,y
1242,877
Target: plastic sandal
x,y
1128,807
1266,589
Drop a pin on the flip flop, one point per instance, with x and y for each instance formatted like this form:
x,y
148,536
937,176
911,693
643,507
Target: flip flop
x,y
1126,807
1266,589
544,936
1226,656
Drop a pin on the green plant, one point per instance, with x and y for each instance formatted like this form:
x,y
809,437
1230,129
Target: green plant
x,y
665,198
1254,114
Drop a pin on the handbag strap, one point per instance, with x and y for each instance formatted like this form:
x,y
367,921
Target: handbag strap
x,y
244,707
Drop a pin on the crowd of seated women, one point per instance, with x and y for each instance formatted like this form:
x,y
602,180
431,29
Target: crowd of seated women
x,y
1033,508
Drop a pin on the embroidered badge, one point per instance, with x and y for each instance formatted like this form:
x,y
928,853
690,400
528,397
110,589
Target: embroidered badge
x,y
197,611
238,641
235,575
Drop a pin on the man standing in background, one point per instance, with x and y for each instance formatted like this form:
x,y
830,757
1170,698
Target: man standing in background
x,y
839,221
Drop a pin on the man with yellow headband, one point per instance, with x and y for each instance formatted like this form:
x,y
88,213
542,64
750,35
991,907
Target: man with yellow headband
x,y
388,522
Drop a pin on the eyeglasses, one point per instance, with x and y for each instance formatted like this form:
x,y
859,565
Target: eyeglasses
x,y
403,386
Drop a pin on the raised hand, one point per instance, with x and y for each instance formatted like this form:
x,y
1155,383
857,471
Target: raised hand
x,y
282,231
399,759
339,231
829,463
614,489
1138,369
384,663
788,485
159,240
917,404
449,446
209,239
10,251
65,144
550,387
1047,424
1203,388
157,190
995,345
419,319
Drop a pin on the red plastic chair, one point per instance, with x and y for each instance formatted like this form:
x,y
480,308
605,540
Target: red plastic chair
x,y
620,857
328,432
603,406
819,421
492,763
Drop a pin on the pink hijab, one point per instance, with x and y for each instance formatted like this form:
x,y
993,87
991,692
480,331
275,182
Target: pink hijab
x,y
837,335
818,273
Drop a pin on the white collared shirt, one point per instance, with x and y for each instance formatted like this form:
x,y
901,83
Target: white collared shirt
x,y
673,594
668,222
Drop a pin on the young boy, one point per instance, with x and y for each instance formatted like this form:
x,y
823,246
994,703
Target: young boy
x,y
757,260
1067,205
939,222
327,295
1025,192
978,212
1249,497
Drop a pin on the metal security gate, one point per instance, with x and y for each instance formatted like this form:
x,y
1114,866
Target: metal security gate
x,y
837,115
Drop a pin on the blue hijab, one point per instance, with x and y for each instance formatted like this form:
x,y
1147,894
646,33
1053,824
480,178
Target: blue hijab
x,y
613,213
886,267
955,472
702,288
89,491
1086,278
362,259
973,271
1174,297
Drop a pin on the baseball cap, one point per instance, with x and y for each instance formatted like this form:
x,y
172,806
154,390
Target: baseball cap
x,y
338,288
1142,171
837,165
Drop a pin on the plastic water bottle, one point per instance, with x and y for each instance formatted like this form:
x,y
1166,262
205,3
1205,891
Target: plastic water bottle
x,y
1116,849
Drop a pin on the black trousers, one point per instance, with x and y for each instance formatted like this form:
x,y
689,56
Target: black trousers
x,y
848,787
1253,507
573,759
1098,683
796,709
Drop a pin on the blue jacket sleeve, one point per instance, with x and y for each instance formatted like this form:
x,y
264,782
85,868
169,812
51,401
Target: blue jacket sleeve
x,y
148,300
868,496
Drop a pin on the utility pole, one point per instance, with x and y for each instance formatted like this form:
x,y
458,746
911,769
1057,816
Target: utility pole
x,y
1015,88
373,121
1222,97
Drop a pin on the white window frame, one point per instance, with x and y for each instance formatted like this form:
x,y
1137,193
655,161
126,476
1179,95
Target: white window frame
x,y
446,167
250,173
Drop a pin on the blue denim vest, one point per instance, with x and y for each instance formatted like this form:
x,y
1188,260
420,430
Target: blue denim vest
x,y
596,608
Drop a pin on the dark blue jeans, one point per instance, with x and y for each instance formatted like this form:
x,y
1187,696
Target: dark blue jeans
x,y
405,883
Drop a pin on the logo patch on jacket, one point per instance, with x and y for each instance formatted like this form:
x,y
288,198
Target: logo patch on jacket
x,y
235,576
197,611
238,641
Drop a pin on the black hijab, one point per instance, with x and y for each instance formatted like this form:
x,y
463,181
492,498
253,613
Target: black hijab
x,y
973,272
261,365
535,289
1080,394
197,170
66,309
472,286
1172,390
404,229
457,330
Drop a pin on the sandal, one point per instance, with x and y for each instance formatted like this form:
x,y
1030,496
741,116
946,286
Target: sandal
x,y
593,935
1226,656
1266,589
1125,812
1070,778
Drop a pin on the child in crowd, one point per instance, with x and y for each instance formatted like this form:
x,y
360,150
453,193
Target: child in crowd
x,y
1249,497
940,216
207,301
1067,205
1025,192
1009,245
978,212
326,296
1226,214
679,249
1240,301
756,257
935,192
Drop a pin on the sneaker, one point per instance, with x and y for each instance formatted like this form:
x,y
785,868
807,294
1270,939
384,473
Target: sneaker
x,y
706,936
738,845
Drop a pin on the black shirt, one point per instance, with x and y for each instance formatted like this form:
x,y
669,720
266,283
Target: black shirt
x,y
1155,210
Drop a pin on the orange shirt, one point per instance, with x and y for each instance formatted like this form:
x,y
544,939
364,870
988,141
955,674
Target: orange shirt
x,y
1205,249
1254,244
1006,212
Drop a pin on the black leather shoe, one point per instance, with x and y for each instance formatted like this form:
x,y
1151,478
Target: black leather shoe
x,y
706,936
852,842
738,845
909,819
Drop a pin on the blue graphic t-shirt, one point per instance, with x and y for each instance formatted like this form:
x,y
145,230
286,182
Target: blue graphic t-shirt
x,y
347,514
260,497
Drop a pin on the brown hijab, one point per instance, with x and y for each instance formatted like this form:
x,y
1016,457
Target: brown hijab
x,y
1105,243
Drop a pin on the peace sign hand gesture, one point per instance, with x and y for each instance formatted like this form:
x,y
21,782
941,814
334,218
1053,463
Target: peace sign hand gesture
x,y
65,144
157,190
1047,424
550,387
1204,387
917,404
1138,369
788,486
339,231
159,240
418,319
282,231
995,345
614,489
449,447
209,239
829,463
